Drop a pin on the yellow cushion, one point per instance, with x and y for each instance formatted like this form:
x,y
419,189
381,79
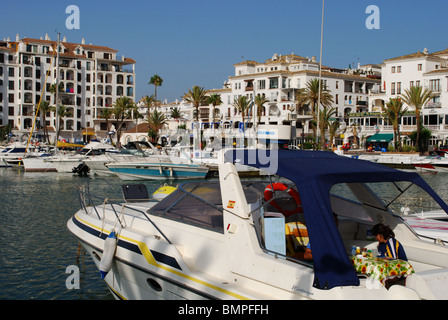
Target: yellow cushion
x,y
297,233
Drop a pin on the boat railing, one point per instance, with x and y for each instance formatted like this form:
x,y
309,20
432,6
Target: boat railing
x,y
86,201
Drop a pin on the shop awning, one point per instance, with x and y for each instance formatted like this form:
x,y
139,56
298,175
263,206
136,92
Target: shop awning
x,y
381,137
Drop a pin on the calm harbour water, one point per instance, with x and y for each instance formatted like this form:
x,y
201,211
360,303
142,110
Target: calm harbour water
x,y
36,246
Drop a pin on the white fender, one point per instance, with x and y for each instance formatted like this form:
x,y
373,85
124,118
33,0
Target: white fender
x,y
110,245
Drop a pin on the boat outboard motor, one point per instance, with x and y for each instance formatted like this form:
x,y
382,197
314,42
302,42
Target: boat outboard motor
x,y
82,169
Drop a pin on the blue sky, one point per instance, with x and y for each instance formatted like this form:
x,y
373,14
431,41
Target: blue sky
x,y
196,42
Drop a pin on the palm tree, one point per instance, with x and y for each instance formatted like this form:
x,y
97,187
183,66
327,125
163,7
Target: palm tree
x,y
156,122
157,81
325,114
175,113
394,112
333,131
415,97
197,96
259,102
243,105
215,100
149,102
106,114
53,90
120,109
44,108
60,113
311,95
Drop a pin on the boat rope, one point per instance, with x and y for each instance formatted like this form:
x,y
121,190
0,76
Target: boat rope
x,y
119,219
103,220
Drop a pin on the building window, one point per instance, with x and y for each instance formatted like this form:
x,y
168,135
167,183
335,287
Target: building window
x,y
434,85
419,67
398,87
392,88
393,69
273,83
399,69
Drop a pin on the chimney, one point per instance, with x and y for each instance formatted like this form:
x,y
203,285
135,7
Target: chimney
x,y
17,38
64,39
47,37
83,41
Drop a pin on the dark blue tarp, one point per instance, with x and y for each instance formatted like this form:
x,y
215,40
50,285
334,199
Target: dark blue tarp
x,y
314,173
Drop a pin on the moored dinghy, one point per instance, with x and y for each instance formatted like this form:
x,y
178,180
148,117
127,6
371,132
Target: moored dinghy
x,y
167,249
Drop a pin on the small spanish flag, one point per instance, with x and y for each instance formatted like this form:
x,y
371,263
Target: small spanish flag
x,y
231,204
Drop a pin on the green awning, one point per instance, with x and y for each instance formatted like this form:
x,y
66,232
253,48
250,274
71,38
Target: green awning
x,y
381,137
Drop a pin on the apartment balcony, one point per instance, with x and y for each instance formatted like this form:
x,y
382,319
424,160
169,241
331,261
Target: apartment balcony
x,y
68,102
433,105
104,67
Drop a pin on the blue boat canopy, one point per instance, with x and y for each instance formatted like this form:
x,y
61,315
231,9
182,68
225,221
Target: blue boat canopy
x,y
314,173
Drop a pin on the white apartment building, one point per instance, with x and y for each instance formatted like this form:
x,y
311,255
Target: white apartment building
x,y
428,70
92,78
279,79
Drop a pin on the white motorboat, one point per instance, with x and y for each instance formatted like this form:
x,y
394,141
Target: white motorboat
x,y
38,164
400,161
226,239
97,164
432,163
136,151
430,225
13,153
68,162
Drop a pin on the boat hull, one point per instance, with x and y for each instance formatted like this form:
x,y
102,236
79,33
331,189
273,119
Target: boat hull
x,y
145,269
432,166
38,165
157,171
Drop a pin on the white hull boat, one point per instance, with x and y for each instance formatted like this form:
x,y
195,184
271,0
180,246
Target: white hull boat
x,y
38,164
13,154
63,162
226,239
432,164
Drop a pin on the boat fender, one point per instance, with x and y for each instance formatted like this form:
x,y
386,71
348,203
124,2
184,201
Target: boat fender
x,y
110,245
268,194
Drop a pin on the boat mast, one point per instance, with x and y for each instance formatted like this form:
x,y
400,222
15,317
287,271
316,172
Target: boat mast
x,y
57,96
320,73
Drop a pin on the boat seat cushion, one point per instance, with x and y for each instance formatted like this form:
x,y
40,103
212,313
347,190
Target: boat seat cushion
x,y
296,239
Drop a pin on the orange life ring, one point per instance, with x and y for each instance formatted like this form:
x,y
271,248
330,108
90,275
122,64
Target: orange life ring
x,y
268,194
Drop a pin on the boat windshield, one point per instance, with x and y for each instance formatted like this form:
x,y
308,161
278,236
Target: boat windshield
x,y
200,203
400,198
